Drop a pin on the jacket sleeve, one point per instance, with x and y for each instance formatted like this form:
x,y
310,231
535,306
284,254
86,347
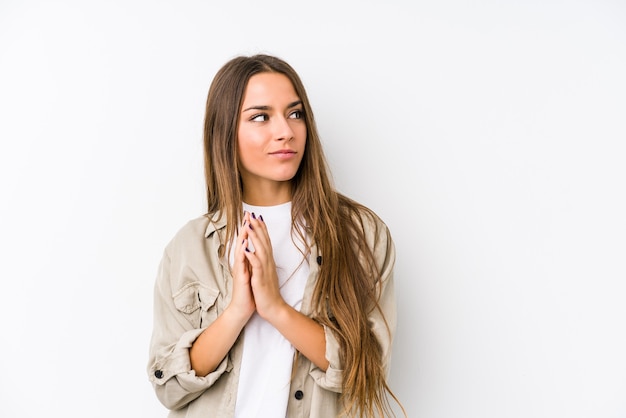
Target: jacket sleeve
x,y
169,366
331,379
383,321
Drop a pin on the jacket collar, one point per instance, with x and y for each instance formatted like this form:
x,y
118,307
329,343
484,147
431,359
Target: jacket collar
x,y
216,222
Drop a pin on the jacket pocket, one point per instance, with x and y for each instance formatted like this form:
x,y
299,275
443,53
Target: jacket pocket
x,y
198,303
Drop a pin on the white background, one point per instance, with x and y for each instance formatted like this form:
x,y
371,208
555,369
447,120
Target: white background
x,y
489,135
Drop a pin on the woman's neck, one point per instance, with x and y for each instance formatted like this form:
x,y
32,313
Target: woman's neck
x,y
267,194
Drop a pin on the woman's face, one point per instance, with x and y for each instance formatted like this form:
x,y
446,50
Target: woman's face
x,y
271,135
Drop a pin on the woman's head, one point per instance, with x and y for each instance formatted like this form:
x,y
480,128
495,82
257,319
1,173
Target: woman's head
x,y
223,126
271,139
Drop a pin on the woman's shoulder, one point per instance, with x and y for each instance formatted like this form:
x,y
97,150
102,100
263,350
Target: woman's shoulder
x,y
373,231
197,229
367,216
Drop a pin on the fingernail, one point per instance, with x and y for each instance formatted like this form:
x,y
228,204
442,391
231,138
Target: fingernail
x,y
247,250
261,218
253,217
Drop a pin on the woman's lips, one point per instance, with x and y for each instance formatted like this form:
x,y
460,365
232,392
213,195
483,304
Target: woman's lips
x,y
283,154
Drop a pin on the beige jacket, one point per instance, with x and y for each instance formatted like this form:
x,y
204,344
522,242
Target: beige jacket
x,y
194,286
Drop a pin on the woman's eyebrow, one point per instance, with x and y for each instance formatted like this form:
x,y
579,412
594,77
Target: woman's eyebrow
x,y
294,104
265,107
257,108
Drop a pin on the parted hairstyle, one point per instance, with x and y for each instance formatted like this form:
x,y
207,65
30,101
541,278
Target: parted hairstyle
x,y
347,289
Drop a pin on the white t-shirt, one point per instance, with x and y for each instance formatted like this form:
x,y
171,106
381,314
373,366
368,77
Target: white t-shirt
x,y
268,356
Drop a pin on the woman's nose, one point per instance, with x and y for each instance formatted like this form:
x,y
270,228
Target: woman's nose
x,y
283,129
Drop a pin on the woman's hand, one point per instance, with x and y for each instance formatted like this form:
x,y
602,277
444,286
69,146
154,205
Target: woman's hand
x,y
263,277
242,302
306,335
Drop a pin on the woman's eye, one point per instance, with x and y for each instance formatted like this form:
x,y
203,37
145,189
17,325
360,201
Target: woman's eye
x,y
259,118
296,114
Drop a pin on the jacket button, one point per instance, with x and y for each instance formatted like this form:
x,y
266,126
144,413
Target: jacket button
x,y
158,374
299,394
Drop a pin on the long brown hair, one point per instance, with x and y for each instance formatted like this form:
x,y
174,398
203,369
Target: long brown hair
x,y
347,289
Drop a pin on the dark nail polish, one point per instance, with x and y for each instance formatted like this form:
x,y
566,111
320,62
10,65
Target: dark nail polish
x,y
247,250
253,217
261,218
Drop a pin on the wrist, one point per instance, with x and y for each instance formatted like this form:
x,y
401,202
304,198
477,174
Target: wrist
x,y
236,317
277,313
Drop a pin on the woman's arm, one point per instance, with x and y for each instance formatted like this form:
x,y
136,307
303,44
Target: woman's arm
x,y
176,333
208,351
306,335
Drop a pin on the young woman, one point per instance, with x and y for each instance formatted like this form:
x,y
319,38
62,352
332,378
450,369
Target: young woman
x,y
279,302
